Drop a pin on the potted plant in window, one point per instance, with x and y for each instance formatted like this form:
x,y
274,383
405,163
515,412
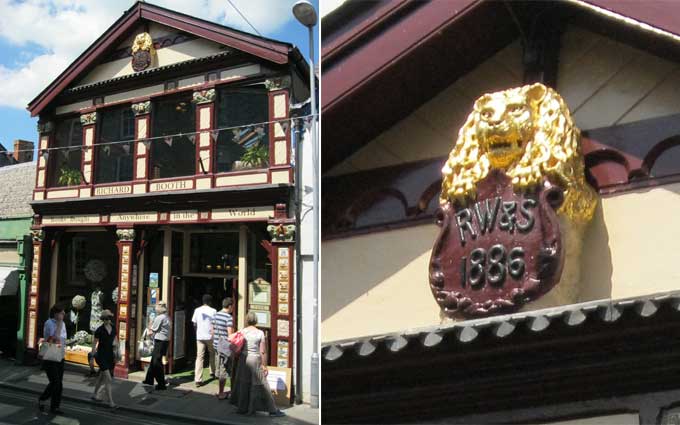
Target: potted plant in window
x,y
68,176
255,157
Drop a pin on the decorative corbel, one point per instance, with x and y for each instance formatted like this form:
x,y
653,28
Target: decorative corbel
x,y
88,119
125,235
281,232
278,83
141,107
204,96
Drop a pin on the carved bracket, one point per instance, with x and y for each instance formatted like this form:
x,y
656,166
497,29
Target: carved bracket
x,y
38,235
125,235
279,83
204,96
88,119
141,108
46,127
282,232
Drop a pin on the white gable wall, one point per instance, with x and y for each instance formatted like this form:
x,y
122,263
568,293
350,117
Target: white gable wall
x,y
181,52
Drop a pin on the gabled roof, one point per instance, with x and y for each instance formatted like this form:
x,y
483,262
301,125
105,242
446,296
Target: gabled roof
x,y
267,49
408,51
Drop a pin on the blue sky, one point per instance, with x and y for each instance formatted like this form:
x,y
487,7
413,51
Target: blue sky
x,y
39,38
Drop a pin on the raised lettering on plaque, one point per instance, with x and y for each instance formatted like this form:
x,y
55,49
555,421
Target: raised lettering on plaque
x,y
512,186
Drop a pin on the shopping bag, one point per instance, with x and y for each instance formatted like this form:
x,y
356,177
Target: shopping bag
x,y
145,345
237,340
224,346
51,352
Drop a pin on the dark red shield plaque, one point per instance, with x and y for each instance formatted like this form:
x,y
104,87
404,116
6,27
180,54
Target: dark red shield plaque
x,y
498,252
141,59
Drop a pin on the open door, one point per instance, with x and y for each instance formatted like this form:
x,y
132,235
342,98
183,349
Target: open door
x,y
177,312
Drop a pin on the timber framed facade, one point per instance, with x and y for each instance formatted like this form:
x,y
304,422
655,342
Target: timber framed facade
x,y
165,172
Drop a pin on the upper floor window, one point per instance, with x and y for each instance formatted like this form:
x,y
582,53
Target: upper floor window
x,y
114,160
246,147
64,162
173,156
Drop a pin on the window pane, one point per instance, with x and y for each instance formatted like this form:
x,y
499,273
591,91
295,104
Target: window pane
x,y
246,147
114,161
64,164
174,156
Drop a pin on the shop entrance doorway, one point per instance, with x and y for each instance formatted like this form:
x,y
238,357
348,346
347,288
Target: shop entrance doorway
x,y
186,296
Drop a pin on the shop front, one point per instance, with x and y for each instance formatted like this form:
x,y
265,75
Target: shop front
x,y
129,262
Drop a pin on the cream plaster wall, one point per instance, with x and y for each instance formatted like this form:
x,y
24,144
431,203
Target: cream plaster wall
x,y
377,283
9,255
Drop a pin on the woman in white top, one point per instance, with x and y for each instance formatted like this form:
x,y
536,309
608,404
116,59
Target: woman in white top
x,y
54,332
250,389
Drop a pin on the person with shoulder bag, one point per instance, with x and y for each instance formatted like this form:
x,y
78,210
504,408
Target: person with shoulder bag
x,y
250,391
223,327
52,351
104,352
160,328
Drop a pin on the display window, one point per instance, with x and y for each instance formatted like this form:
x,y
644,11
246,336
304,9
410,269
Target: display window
x,y
246,147
174,155
87,283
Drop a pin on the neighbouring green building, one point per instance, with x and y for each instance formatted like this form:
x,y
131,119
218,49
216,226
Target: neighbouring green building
x,y
15,221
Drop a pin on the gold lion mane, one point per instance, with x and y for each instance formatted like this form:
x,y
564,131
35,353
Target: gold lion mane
x,y
554,151
142,41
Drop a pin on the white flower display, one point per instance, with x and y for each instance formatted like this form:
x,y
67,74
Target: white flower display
x,y
79,302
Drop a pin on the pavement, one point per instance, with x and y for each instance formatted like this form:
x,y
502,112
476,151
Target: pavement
x,y
183,403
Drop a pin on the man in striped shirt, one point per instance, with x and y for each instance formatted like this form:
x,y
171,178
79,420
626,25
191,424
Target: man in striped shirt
x,y
223,326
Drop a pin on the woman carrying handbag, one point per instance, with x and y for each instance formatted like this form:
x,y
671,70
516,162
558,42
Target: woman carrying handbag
x,y
105,347
52,352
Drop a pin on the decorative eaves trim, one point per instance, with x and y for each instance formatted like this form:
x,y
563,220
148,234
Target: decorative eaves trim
x,y
499,327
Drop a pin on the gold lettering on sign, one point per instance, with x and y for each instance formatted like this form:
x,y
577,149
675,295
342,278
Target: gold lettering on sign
x,y
236,214
55,220
112,190
188,215
176,185
148,217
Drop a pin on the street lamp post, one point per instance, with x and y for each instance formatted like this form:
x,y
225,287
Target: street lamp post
x,y
305,13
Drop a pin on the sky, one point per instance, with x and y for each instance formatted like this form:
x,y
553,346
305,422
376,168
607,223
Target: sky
x,y
40,38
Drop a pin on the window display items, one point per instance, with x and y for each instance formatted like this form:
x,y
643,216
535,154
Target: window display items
x,y
78,303
95,270
96,308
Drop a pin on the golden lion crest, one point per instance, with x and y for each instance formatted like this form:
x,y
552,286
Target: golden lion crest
x,y
528,132
142,52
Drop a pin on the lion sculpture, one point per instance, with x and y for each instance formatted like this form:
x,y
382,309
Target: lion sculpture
x,y
527,132
143,42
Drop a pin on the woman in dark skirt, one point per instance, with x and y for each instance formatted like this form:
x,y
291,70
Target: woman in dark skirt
x,y
250,391
104,346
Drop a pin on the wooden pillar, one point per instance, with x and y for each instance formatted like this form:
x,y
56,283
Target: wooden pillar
x,y
89,123
205,122
126,260
242,302
142,113
282,232
32,331
279,132
46,137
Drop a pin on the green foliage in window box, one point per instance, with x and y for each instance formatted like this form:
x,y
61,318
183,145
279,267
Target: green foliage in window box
x,y
69,176
257,156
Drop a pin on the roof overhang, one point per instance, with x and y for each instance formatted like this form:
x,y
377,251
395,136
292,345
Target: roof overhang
x,y
266,49
577,352
410,51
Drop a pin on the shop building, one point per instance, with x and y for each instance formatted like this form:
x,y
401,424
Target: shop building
x,y
165,171
402,84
